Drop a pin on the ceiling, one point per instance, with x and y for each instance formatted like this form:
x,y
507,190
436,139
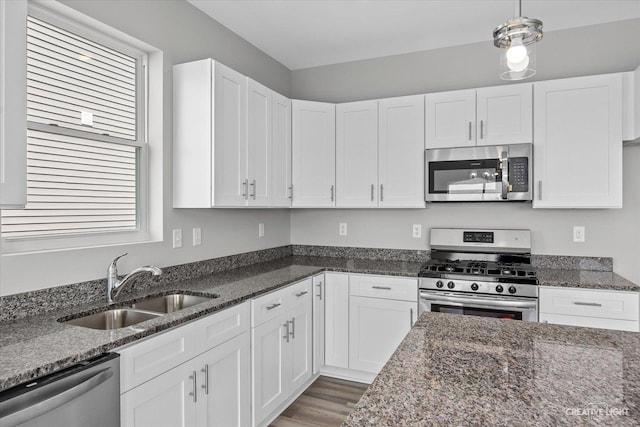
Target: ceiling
x,y
310,33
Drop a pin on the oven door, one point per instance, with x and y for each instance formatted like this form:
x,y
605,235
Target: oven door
x,y
512,308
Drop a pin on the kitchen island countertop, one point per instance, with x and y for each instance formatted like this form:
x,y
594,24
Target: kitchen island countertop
x,y
467,370
34,346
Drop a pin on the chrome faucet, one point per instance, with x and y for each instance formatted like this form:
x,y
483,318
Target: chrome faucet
x,y
115,285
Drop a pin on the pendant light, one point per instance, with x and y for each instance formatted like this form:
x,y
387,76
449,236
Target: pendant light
x,y
516,38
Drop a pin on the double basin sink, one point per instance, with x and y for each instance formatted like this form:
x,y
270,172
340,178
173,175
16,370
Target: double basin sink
x,y
138,312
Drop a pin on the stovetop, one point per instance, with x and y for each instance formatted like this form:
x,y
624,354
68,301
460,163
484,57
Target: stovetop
x,y
503,272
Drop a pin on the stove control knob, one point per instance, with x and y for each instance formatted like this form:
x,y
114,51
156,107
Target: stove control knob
x,y
451,285
474,286
499,288
512,289
439,284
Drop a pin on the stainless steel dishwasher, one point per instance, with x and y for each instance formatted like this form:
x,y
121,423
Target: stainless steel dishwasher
x,y
86,394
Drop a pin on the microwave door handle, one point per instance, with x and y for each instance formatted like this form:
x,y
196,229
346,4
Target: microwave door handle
x,y
504,166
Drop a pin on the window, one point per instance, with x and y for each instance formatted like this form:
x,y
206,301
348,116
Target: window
x,y
86,150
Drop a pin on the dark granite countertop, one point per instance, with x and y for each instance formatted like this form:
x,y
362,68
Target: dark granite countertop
x,y
38,345
586,279
476,371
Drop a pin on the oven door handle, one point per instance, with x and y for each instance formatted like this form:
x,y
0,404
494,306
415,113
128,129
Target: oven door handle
x,y
507,303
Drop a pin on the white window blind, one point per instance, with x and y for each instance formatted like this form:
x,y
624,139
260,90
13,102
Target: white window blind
x,y
82,152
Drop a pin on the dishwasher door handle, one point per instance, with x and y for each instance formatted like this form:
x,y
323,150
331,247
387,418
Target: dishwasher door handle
x,y
55,399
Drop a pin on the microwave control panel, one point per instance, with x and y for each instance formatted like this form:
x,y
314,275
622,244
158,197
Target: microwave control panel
x,y
519,174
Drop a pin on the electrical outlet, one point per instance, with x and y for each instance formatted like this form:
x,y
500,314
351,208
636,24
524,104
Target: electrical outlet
x,y
578,233
177,238
417,231
197,236
261,230
342,230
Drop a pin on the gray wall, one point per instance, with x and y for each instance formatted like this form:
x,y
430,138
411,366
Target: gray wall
x,y
595,49
183,33
583,51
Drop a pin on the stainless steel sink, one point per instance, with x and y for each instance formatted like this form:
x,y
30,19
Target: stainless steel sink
x,y
112,319
171,303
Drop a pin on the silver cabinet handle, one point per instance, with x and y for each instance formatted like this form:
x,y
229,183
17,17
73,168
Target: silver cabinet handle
x,y
299,294
332,192
291,192
293,328
469,131
245,184
539,190
286,334
381,192
319,285
410,317
205,386
385,288
194,393
481,129
590,304
272,306
253,189
372,190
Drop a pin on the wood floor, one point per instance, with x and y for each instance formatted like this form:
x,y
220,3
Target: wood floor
x,y
327,402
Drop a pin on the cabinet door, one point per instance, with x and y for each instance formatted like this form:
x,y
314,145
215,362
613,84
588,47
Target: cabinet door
x,y
259,149
313,154
401,152
230,137
505,114
269,344
336,320
225,384
300,347
357,154
376,328
13,104
450,119
280,169
578,142
318,323
163,401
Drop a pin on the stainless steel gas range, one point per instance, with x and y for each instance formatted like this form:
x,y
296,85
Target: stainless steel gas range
x,y
481,273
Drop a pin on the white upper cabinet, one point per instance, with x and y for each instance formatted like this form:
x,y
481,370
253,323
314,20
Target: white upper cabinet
x,y
13,104
450,119
231,145
631,105
578,142
401,152
357,154
259,143
487,116
504,114
281,152
313,154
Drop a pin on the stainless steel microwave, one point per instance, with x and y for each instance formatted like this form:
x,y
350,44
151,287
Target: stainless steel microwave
x,y
483,173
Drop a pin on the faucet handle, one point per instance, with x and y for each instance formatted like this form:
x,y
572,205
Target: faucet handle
x,y
113,267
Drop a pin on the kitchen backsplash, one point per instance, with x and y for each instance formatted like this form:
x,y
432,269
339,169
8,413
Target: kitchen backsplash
x,y
34,302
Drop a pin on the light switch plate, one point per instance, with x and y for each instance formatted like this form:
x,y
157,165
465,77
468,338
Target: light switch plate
x,y
197,236
261,230
342,229
177,238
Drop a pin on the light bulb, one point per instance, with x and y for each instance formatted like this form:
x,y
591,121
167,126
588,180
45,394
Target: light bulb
x,y
518,66
516,52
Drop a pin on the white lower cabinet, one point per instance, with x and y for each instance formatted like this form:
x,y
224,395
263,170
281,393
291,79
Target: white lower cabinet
x,y
172,380
376,329
590,308
318,322
336,342
282,347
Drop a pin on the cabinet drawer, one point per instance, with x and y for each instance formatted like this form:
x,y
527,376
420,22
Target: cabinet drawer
x,y
590,322
221,327
388,287
590,303
299,293
155,355
268,306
